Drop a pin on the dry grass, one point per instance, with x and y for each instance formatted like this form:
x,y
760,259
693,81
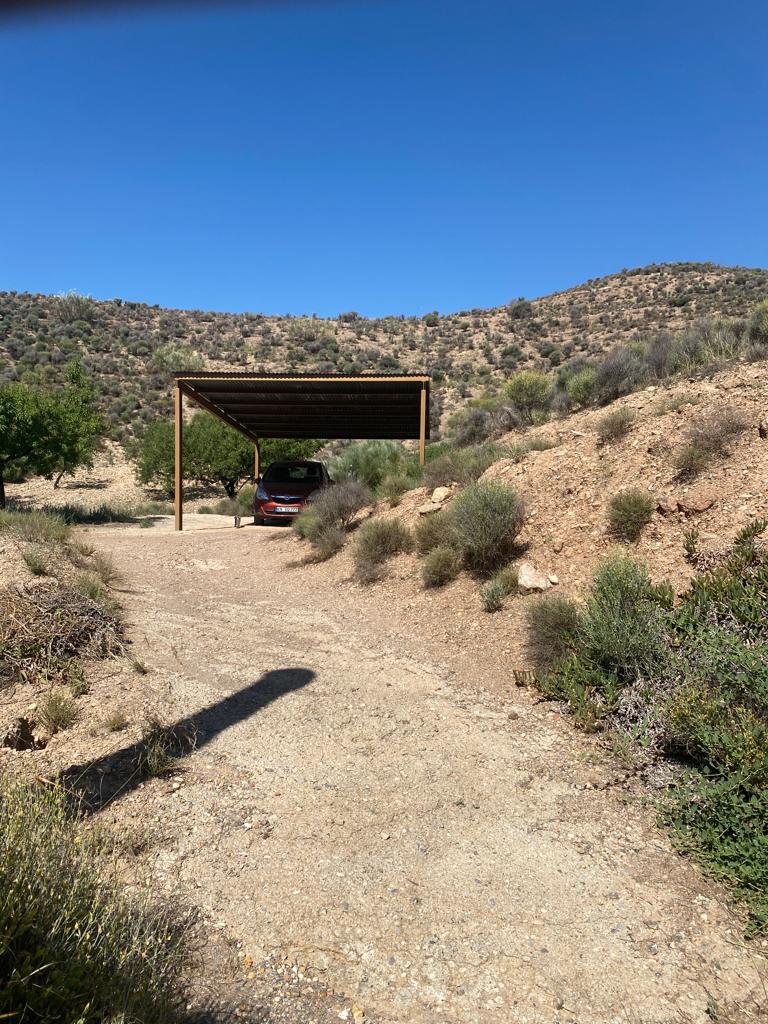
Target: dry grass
x,y
41,628
57,711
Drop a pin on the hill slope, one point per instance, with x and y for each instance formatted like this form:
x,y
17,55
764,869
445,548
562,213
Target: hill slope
x,y
132,348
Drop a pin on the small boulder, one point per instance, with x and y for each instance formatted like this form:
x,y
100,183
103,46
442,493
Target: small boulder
x,y
696,502
428,508
666,504
529,578
441,494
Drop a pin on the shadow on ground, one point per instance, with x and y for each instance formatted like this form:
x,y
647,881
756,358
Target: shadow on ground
x,y
98,783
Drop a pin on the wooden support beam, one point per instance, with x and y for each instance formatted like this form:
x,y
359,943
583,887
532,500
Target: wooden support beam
x,y
178,480
257,463
423,428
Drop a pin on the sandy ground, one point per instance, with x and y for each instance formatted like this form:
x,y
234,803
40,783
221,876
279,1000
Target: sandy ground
x,y
360,809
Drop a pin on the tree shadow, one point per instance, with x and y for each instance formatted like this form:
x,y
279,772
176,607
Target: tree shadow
x,y
95,784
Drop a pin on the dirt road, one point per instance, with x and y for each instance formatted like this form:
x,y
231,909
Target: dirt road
x,y
363,806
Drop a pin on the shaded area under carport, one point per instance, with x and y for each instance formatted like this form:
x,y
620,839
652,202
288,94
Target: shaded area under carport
x,y
337,407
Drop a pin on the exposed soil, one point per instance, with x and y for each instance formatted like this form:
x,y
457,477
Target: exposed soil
x,y
368,825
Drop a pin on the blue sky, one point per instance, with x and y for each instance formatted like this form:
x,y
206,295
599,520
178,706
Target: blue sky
x,y
391,156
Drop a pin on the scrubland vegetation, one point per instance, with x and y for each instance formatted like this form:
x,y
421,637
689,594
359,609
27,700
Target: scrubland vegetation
x,y
685,682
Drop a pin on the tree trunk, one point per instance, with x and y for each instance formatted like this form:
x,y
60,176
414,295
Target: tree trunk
x,y
229,487
57,481
2,485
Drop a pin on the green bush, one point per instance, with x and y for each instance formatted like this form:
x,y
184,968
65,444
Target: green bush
x,y
75,948
691,680
371,461
629,512
494,592
582,386
529,391
487,518
440,566
377,541
615,425
461,466
552,627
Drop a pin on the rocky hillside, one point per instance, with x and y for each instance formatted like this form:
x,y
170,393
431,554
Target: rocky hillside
x,y
132,348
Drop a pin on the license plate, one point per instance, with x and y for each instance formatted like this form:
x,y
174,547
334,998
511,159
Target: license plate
x,y
286,508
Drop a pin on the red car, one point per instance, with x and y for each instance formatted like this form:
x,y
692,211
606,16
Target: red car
x,y
285,488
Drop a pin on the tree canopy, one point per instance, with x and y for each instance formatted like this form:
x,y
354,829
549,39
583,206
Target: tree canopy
x,y
213,453
45,433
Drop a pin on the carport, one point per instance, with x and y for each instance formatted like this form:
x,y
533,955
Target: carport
x,y
331,408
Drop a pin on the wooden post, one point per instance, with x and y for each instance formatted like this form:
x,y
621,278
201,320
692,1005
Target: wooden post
x,y
177,457
423,428
256,464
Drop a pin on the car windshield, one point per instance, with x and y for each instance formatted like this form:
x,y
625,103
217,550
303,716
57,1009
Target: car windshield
x,y
293,473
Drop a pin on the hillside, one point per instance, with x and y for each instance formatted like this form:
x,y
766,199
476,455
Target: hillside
x,y
131,348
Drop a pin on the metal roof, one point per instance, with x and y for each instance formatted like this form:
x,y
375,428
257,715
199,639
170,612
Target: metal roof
x,y
313,406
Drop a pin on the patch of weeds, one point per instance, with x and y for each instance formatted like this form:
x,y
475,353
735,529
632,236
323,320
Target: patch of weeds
x,y
674,403
686,680
34,527
104,567
377,541
629,512
76,945
139,667
36,562
615,425
91,586
162,745
57,711
327,542
497,589
117,721
440,566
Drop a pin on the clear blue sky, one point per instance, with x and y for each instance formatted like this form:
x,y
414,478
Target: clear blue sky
x,y
386,156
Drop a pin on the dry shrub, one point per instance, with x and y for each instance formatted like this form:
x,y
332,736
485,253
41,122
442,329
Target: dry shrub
x,y
440,567
487,518
552,627
435,531
709,437
58,711
327,542
377,541
629,513
615,425
493,594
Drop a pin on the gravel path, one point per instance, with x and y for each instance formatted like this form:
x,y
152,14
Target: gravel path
x,y
362,817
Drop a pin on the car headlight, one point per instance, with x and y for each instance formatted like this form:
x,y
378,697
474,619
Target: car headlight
x,y
261,494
